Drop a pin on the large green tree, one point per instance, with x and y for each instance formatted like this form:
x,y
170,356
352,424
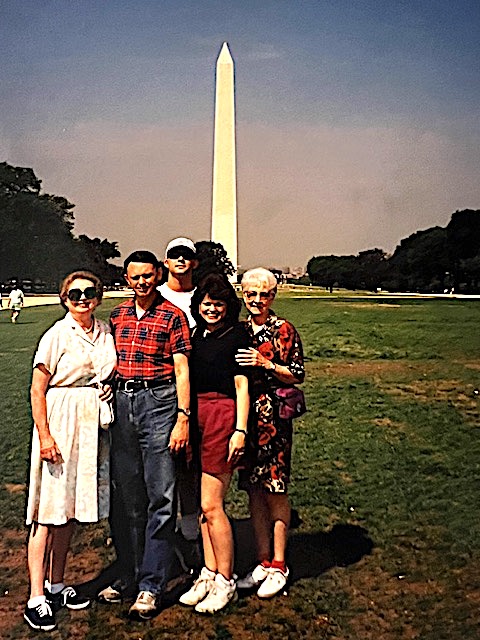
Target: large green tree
x,y
433,259
331,271
36,233
421,262
212,258
463,240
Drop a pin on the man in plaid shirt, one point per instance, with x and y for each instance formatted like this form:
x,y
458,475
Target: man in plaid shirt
x,y
151,428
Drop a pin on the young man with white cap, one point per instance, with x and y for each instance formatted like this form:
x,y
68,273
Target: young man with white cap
x,y
180,260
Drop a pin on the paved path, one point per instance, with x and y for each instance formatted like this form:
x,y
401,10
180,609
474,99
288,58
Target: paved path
x,y
48,298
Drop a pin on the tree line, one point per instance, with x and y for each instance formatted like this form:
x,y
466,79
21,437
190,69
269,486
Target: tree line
x,y
37,241
437,259
36,231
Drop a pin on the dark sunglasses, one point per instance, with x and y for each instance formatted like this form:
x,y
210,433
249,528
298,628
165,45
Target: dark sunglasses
x,y
74,295
184,252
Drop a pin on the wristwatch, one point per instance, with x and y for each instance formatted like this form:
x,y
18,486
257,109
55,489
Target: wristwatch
x,y
186,412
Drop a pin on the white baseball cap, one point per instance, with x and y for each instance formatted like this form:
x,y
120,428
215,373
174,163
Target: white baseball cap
x,y
180,242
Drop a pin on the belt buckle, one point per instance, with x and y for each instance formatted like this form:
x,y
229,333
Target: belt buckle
x,y
126,386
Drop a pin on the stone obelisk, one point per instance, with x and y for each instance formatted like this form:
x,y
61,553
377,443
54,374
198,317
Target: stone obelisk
x,y
224,196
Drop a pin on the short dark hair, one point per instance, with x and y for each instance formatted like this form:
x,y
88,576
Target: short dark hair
x,y
217,287
147,257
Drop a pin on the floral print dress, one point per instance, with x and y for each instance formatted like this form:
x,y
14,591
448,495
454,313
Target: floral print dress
x,y
269,449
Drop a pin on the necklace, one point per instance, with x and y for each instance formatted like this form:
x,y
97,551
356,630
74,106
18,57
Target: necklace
x,y
90,328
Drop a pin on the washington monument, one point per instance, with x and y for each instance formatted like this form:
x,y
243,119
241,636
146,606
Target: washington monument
x,y
224,196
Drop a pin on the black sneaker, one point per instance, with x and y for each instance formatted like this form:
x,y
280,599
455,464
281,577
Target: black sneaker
x,y
40,617
67,597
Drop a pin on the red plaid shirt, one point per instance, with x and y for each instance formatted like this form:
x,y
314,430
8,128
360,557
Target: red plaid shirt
x,y
145,347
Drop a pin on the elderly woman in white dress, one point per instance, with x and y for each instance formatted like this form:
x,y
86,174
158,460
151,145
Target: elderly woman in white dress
x,y
69,479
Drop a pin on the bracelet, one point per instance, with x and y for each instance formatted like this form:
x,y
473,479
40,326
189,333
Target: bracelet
x,y
244,431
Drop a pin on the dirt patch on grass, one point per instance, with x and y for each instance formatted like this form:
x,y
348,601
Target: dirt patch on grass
x,y
84,564
391,607
368,305
472,365
464,397
362,369
15,488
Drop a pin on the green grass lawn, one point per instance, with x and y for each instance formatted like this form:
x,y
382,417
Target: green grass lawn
x,y
386,479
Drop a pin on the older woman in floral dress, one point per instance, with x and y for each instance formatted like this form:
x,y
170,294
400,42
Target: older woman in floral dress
x,y
69,478
277,360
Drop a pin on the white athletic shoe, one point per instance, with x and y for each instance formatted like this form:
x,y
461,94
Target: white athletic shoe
x,y
144,607
200,588
223,592
254,578
273,583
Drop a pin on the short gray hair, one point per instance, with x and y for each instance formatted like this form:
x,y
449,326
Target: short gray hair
x,y
259,277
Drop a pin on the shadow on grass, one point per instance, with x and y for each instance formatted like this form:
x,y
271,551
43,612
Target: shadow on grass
x,y
308,556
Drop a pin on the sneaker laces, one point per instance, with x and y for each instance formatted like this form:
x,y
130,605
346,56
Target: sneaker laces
x,y
145,597
213,593
199,581
43,609
66,593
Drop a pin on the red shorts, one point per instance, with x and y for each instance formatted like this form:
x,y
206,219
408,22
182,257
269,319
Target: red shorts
x,y
216,423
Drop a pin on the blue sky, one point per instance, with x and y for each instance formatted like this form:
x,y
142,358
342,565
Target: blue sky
x,y
357,122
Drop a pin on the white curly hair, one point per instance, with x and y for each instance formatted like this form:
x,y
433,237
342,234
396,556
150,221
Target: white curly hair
x,y
259,277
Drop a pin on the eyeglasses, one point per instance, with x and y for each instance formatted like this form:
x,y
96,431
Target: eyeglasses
x,y
177,252
75,295
263,295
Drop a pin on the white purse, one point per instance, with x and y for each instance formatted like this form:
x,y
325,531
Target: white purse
x,y
106,414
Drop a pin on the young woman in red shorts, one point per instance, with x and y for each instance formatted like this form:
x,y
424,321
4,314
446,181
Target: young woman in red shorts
x,y
221,388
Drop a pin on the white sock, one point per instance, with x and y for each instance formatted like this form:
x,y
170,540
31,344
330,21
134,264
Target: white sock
x,y
34,602
220,578
54,588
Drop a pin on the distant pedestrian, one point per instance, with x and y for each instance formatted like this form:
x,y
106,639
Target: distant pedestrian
x,y
15,302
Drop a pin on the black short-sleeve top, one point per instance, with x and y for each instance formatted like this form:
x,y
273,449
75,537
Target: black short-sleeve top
x,y
212,362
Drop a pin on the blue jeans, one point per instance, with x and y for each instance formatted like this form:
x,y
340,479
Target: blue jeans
x,y
143,479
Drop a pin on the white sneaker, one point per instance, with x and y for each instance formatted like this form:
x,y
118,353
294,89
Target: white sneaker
x,y
200,588
222,592
273,583
110,595
144,607
254,578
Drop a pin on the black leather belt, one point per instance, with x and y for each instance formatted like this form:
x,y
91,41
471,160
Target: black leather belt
x,y
139,385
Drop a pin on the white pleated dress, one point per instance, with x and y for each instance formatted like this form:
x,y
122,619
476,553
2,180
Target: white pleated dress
x,y
79,487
